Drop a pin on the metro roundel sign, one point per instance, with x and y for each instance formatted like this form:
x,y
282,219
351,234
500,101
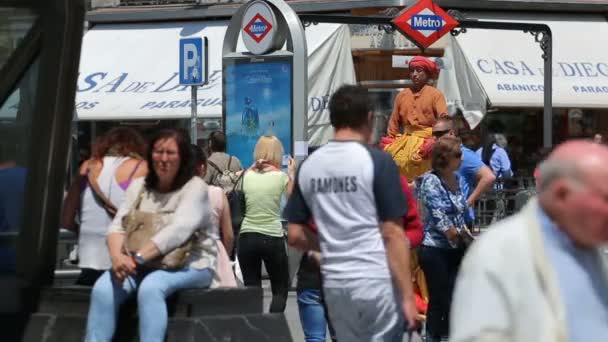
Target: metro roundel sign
x,y
259,28
424,23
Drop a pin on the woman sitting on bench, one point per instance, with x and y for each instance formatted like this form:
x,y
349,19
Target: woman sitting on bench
x,y
158,242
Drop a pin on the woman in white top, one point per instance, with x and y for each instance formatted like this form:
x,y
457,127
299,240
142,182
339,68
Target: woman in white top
x,y
117,159
180,201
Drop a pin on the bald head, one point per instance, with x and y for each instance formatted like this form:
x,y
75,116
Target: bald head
x,y
573,191
573,148
573,160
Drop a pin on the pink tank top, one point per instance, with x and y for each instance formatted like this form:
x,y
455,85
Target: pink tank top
x,y
216,199
125,184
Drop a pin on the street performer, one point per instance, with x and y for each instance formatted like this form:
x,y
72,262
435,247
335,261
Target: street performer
x,y
416,109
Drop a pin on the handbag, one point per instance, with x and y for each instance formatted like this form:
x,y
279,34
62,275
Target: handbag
x,y
224,269
141,226
238,206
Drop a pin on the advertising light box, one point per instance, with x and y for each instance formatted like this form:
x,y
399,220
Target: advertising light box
x,y
257,102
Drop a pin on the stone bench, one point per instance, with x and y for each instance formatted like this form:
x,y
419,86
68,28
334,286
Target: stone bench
x,y
226,328
74,300
223,314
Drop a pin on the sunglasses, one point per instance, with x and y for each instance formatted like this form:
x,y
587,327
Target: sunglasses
x,y
439,134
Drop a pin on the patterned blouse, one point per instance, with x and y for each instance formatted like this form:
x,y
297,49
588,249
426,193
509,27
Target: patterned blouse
x,y
442,209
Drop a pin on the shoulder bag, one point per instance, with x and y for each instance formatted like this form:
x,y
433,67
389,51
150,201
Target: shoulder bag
x,y
236,201
141,226
101,197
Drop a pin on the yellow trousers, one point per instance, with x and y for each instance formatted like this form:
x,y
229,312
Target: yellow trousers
x,y
406,153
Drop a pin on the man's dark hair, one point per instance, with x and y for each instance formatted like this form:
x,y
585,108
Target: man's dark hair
x,y
187,168
217,142
487,150
349,107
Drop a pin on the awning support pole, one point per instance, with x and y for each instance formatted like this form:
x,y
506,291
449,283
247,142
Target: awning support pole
x,y
548,93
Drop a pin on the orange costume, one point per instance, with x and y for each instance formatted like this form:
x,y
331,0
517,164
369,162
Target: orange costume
x,y
417,113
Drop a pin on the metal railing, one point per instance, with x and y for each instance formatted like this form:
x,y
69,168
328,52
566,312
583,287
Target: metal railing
x,y
65,263
508,197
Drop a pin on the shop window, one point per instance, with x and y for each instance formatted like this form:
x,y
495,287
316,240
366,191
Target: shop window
x,y
580,123
14,163
523,129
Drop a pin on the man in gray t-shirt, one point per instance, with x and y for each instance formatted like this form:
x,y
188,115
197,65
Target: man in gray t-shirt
x,y
219,160
353,194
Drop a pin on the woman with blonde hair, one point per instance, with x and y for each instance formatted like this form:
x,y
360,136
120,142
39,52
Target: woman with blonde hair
x,y
261,236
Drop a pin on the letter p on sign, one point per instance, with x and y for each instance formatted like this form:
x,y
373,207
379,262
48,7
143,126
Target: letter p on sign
x,y
193,61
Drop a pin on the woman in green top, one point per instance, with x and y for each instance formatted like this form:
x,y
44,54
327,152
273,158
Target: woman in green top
x,y
261,237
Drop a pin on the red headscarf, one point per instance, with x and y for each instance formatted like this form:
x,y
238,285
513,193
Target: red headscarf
x,y
426,64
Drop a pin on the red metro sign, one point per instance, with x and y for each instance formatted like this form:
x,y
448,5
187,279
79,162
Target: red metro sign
x,y
424,23
258,28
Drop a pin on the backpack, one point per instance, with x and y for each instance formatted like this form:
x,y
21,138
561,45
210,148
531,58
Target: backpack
x,y
237,204
225,179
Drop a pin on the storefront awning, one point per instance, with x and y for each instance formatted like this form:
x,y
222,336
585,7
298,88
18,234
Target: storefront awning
x,y
509,66
130,71
460,85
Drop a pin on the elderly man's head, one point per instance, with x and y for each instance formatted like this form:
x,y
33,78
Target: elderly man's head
x,y
573,190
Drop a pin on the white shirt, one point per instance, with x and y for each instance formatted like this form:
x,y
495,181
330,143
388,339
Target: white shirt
x,y
348,188
94,220
183,212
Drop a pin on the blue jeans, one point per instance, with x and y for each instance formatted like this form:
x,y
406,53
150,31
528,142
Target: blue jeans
x,y
312,315
108,294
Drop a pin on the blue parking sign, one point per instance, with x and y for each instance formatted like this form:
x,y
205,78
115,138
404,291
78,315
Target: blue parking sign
x,y
193,61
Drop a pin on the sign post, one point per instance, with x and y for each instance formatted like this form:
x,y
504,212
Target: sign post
x,y
193,71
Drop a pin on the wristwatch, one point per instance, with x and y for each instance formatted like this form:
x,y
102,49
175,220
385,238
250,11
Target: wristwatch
x,y
139,259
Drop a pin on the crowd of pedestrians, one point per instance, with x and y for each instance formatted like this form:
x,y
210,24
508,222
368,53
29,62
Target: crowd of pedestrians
x,y
386,238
